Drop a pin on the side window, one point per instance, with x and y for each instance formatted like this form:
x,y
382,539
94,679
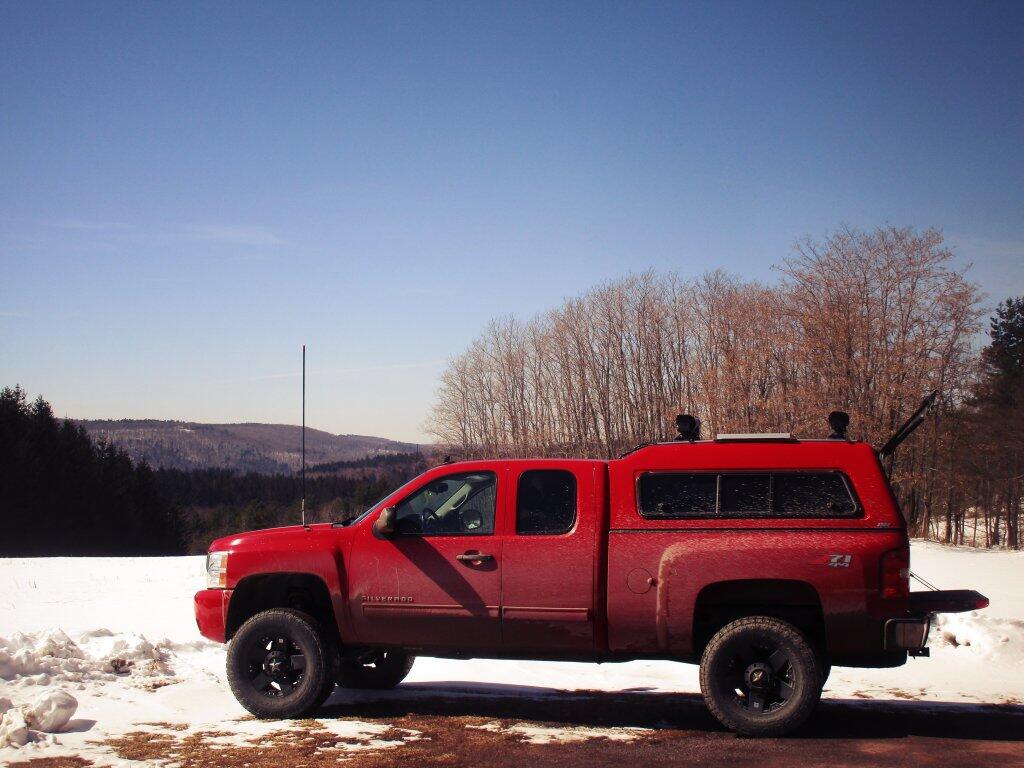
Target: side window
x,y
813,494
745,495
671,494
546,501
456,505
678,495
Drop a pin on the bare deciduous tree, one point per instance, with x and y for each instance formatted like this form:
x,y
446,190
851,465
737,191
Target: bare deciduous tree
x,y
867,322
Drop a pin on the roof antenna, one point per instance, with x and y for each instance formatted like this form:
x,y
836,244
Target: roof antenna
x,y
304,437
915,421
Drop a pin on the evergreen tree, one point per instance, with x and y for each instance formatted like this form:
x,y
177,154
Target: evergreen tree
x,y
61,494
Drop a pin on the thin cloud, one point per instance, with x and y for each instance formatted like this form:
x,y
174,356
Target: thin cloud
x,y
90,226
232,235
223,234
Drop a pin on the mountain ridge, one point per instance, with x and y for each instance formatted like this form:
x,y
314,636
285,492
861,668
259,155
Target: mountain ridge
x,y
242,446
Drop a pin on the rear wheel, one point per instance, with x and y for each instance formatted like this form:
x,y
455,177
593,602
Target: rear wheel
x,y
280,664
760,676
378,670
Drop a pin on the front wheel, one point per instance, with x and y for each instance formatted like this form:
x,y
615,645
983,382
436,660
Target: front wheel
x,y
760,676
377,670
280,665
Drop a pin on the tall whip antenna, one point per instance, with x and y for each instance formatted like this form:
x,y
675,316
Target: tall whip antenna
x,y
303,435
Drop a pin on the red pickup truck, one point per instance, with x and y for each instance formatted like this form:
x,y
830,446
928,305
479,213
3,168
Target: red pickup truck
x,y
765,559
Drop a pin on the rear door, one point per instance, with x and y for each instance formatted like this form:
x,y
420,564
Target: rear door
x,y
437,582
550,556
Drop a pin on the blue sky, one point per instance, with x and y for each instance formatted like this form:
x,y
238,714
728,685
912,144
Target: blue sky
x,y
188,192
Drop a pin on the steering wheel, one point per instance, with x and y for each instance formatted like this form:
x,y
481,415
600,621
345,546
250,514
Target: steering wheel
x,y
430,518
470,519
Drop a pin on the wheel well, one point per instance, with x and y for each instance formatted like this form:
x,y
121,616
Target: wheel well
x,y
796,602
302,591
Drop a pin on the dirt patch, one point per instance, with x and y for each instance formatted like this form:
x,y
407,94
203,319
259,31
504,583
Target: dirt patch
x,y
425,741
52,762
623,729
297,745
898,693
167,726
153,685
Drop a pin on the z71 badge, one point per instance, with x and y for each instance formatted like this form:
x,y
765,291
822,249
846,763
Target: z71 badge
x,y
837,561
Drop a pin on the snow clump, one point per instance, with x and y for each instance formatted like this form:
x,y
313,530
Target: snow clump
x,y
51,711
13,729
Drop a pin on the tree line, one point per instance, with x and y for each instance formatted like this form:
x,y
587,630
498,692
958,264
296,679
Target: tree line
x,y
866,322
61,493
216,502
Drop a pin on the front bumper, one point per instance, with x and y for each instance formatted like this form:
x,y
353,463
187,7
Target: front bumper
x,y
211,607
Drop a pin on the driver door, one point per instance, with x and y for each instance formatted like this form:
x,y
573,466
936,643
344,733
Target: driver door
x,y
436,582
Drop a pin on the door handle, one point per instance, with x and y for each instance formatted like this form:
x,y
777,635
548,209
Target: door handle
x,y
474,557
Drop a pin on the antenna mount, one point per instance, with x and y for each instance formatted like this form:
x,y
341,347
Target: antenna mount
x,y
304,437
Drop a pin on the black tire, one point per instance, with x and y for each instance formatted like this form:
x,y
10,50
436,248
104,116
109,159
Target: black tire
x,y
760,676
381,671
333,650
280,664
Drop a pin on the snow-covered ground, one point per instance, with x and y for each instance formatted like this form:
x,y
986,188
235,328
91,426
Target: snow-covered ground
x,y
118,634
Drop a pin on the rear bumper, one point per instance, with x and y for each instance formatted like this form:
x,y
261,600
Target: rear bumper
x,y
910,633
211,613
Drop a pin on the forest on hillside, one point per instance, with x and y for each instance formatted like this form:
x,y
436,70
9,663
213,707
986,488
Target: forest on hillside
x,y
262,448
62,493
864,322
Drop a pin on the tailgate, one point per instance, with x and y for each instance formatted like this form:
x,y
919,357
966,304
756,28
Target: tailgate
x,y
947,601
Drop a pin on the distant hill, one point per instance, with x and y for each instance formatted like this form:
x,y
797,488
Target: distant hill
x,y
244,447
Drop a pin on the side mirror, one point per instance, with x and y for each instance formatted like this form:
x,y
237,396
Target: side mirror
x,y
384,525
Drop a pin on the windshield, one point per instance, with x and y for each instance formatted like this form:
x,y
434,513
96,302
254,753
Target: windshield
x,y
376,505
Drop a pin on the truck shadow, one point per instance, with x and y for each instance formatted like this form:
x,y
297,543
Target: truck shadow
x,y
834,718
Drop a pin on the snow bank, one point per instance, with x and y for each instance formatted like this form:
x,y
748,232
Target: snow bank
x,y
37,668
987,637
51,657
994,635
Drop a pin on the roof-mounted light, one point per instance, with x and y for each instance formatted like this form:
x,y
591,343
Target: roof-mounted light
x,y
688,427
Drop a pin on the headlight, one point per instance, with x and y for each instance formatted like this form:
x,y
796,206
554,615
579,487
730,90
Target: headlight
x,y
216,570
